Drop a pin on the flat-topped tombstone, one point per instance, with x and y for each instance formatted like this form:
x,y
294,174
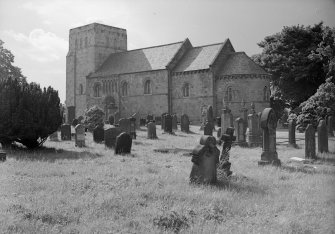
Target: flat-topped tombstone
x,y
98,134
132,127
227,120
208,129
111,119
240,125
53,136
80,135
205,157
168,123
310,142
65,132
330,125
174,122
185,123
75,122
291,133
322,137
124,125
123,144
110,136
268,125
254,131
151,130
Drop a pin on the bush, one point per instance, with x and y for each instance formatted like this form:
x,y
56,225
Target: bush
x,y
28,113
94,116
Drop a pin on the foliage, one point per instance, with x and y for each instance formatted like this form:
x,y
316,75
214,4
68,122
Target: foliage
x,y
318,106
299,59
94,116
28,113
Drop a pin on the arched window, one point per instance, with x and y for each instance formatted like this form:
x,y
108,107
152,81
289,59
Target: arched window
x,y
124,89
97,90
147,87
186,90
266,94
229,94
81,89
115,86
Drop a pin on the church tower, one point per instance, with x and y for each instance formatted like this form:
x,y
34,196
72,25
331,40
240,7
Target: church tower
x,y
89,47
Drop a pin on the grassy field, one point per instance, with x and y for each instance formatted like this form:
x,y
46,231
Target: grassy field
x,y
64,189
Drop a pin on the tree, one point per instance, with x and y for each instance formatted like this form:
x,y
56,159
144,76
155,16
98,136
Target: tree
x,y
94,116
296,66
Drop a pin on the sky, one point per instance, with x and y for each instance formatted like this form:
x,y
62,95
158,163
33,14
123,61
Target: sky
x,y
37,31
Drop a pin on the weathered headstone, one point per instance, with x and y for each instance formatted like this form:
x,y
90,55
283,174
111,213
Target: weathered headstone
x,y
205,157
291,133
110,136
174,122
210,116
142,122
322,137
65,132
330,126
269,124
54,136
218,121
123,143
203,116
163,120
208,129
227,139
244,112
158,120
168,123
98,134
137,120
111,119
310,142
75,122
116,117
151,130
226,119
80,135
184,123
260,131
2,155
218,134
124,125
240,133
253,125
150,118
132,132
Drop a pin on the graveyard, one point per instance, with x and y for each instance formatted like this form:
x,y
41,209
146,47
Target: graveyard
x,y
64,188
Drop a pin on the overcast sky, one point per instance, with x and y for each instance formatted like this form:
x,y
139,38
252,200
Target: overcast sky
x,y
37,31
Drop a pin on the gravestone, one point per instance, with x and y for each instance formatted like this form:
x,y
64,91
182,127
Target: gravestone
x,y
80,135
111,119
2,155
53,136
150,118
208,129
163,121
322,137
205,157
174,122
75,122
268,125
65,132
110,136
151,130
124,125
132,127
218,134
185,123
240,133
116,117
218,121
142,122
203,116
98,134
260,131
291,133
330,125
227,139
158,120
210,116
168,123
137,120
244,112
310,142
123,144
253,125
227,120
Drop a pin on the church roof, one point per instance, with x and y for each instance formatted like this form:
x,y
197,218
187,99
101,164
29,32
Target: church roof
x,y
198,58
239,63
145,59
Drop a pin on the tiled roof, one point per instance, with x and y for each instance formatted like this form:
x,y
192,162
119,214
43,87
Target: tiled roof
x,y
146,59
198,58
240,63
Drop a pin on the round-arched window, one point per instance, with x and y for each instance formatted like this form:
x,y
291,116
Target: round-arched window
x,y
266,94
147,87
229,94
81,89
186,90
124,90
97,90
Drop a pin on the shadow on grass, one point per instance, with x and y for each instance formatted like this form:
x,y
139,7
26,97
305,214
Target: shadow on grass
x,y
47,154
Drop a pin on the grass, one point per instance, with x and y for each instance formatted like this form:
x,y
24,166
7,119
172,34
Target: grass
x,y
64,189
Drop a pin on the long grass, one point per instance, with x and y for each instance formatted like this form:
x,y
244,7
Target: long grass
x,y
64,189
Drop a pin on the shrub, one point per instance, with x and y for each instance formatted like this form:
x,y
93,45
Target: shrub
x,y
94,116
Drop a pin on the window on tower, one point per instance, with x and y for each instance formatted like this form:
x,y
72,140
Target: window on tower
x,y
186,90
229,94
147,87
124,88
81,89
266,94
97,90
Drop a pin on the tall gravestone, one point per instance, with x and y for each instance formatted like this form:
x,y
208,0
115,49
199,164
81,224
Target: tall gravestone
x,y
260,131
253,125
168,123
208,129
330,125
132,121
116,117
244,113
227,120
210,116
174,122
205,157
151,130
240,133
137,120
110,136
163,120
291,133
111,119
322,137
203,116
218,121
310,142
98,134
65,132
124,125
269,125
184,123
80,135
227,138
123,144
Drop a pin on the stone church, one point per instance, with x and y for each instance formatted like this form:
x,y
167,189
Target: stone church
x,y
175,78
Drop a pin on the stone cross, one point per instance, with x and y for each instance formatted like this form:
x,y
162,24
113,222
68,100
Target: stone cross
x,y
151,130
268,125
185,123
123,144
65,132
322,137
310,142
330,125
168,123
208,129
174,122
240,124
137,120
205,157
291,133
227,139
80,135
98,134
226,119
110,136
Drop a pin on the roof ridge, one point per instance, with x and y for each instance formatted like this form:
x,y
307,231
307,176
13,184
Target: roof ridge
x,y
153,46
219,43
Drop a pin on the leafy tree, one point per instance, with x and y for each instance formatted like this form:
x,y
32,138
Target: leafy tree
x,y
94,116
292,57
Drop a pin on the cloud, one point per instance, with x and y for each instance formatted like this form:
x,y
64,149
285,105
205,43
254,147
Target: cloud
x,y
45,7
39,45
